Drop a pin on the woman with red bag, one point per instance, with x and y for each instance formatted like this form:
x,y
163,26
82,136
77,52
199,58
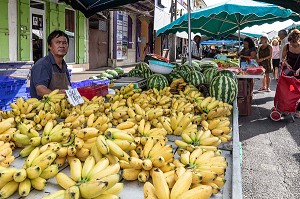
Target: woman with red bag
x,y
291,55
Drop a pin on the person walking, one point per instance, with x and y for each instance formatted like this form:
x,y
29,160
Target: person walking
x,y
282,34
248,52
51,72
275,58
264,59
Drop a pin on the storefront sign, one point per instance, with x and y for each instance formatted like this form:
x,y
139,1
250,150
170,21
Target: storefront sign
x,y
122,35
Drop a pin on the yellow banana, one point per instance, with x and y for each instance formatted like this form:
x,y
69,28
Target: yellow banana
x,y
24,187
9,189
64,181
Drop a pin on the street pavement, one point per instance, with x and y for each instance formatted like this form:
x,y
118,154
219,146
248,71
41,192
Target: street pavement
x,y
271,151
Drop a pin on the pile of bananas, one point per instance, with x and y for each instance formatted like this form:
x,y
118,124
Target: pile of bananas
x,y
200,138
219,127
36,170
155,153
144,130
182,188
6,157
208,167
90,180
7,129
124,93
178,85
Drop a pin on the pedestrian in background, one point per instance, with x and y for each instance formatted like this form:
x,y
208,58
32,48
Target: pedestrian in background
x,y
196,48
248,52
275,58
282,34
264,59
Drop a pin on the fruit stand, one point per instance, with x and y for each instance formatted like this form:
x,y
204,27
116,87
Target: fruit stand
x,y
134,190
169,140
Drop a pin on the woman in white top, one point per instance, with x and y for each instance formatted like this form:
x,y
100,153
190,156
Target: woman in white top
x,y
275,57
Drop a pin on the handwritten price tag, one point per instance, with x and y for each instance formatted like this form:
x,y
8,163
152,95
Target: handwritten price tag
x,y
74,96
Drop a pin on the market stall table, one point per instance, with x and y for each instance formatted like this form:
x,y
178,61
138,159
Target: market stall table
x,y
134,190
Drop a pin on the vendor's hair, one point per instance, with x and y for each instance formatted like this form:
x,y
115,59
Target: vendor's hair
x,y
294,35
250,42
56,33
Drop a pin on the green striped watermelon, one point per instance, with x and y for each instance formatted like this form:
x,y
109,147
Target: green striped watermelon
x,y
223,88
142,66
228,73
209,74
194,65
135,73
195,78
147,73
172,76
208,64
157,81
186,68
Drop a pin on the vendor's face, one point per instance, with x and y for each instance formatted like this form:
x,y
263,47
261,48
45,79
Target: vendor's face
x,y
59,46
246,44
264,40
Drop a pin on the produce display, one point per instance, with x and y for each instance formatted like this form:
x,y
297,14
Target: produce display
x,y
122,135
109,74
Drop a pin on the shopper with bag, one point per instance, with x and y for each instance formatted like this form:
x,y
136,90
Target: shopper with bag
x,y
264,59
291,55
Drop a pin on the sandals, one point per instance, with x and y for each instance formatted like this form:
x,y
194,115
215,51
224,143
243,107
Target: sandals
x,y
268,90
297,114
262,89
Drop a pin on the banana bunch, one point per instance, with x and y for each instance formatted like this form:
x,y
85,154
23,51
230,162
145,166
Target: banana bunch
x,y
23,108
42,118
87,109
181,123
129,127
90,180
208,167
54,133
144,130
182,188
159,101
222,110
153,154
198,118
7,129
116,111
219,127
24,134
6,157
136,112
178,85
34,174
75,120
182,105
102,123
117,139
124,93
200,138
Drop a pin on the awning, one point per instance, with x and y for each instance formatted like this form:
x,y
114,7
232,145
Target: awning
x,y
290,4
91,7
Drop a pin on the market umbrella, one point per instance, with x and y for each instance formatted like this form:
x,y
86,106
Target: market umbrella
x,y
91,7
290,4
228,17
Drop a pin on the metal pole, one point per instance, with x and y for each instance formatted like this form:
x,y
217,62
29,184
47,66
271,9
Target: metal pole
x,y
239,37
189,31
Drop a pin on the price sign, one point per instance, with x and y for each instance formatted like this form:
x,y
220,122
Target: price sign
x,y
74,96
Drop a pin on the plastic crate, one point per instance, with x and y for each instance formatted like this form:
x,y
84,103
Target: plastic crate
x,y
89,82
12,87
245,87
244,105
93,90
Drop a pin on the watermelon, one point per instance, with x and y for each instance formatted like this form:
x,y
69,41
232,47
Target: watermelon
x,y
135,73
147,73
112,72
186,68
157,81
223,88
209,74
104,74
208,64
227,73
194,65
142,66
172,76
119,70
195,78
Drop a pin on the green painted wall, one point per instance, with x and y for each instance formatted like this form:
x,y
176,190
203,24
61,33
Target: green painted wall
x,y
80,38
24,30
4,38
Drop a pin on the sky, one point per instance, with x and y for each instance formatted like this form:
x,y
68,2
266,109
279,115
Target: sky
x,y
257,29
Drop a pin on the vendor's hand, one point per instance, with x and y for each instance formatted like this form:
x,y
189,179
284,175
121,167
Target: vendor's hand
x,y
297,72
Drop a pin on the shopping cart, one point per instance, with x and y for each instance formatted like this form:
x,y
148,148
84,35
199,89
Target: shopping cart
x,y
286,98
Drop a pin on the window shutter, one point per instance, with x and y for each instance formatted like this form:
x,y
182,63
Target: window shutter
x,y
24,30
4,53
80,41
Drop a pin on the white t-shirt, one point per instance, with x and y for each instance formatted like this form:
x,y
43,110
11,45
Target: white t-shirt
x,y
195,51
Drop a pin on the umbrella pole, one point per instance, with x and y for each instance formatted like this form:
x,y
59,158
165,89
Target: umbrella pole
x,y
189,32
239,38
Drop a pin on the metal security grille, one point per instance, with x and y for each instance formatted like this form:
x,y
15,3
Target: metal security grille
x,y
102,25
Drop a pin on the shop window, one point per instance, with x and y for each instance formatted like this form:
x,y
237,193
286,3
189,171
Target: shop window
x,y
160,4
70,31
98,24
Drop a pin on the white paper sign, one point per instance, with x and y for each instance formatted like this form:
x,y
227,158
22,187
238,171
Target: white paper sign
x,y
74,97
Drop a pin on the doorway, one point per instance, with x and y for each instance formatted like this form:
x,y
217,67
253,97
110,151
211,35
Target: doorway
x,y
37,24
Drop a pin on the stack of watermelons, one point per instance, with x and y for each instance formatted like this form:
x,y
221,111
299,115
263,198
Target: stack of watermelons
x,y
141,70
110,74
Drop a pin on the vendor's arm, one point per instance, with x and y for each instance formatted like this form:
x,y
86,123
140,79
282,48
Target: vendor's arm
x,y
42,90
